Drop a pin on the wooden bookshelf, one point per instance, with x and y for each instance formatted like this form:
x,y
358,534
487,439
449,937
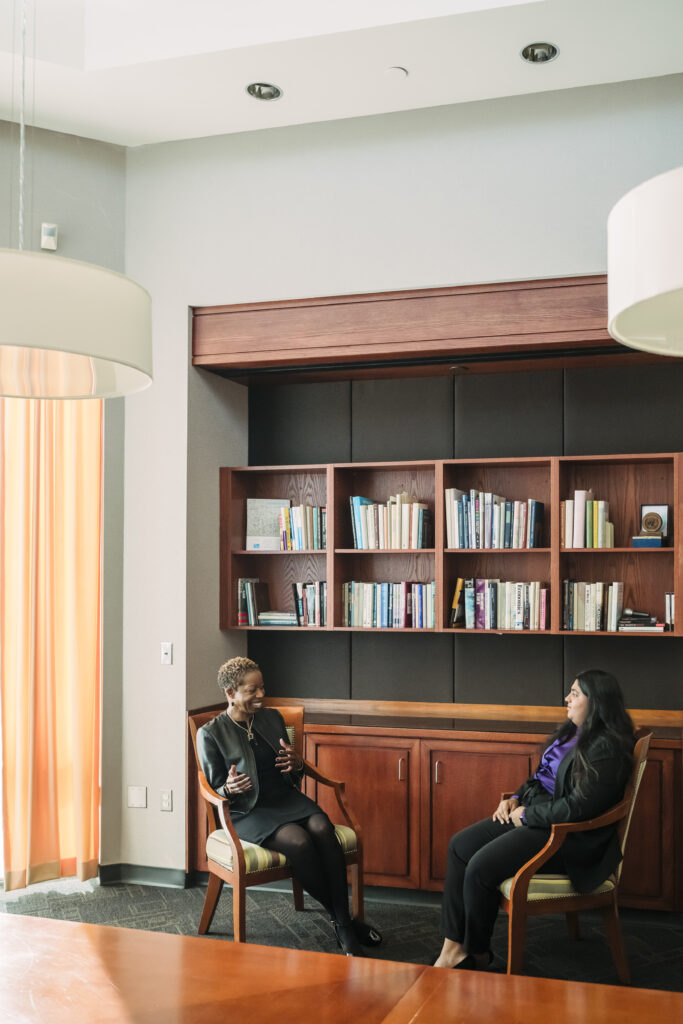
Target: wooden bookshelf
x,y
625,481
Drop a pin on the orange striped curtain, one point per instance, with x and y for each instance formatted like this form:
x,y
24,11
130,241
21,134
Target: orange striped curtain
x,y
50,636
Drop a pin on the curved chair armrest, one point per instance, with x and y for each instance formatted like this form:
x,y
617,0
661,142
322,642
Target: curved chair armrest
x,y
338,787
222,804
558,834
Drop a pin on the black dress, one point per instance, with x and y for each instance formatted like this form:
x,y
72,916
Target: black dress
x,y
279,802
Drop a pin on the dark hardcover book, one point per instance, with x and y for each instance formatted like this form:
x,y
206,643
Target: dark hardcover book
x,y
466,521
526,620
242,611
565,604
298,604
535,529
492,587
323,526
427,528
507,535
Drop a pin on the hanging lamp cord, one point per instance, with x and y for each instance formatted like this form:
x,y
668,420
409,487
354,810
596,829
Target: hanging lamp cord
x,y
22,124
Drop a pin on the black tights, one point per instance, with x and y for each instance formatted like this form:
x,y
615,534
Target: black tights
x,y
317,862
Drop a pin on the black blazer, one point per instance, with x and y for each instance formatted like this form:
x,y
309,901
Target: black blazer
x,y
589,857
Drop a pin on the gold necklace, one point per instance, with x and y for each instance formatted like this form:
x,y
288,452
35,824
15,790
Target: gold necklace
x,y
247,728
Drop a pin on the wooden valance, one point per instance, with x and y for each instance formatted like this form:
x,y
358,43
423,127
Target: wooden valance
x,y
474,328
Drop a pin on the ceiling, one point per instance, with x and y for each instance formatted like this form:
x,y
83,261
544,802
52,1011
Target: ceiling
x,y
135,72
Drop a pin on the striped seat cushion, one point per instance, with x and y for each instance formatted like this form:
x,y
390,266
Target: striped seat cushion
x,y
257,858
552,887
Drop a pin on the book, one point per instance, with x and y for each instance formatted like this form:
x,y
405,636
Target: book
x,y
263,523
469,604
581,497
480,604
535,523
357,502
242,614
457,617
569,523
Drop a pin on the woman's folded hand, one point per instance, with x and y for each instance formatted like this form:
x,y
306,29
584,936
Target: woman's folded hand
x,y
287,759
504,810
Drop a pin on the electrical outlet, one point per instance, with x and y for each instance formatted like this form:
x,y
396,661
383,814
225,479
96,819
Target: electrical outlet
x,y
137,796
166,653
167,799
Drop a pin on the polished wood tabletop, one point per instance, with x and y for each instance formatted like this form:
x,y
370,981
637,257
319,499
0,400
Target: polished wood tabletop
x,y
60,971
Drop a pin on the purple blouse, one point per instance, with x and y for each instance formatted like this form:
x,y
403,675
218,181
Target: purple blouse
x,y
546,772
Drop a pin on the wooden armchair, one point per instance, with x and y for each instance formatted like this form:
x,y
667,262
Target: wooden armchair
x,y
530,893
245,864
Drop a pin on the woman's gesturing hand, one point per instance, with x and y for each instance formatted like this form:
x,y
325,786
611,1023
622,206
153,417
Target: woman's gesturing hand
x,y
504,810
287,759
236,782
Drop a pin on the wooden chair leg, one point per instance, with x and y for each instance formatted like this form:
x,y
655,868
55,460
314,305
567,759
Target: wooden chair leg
x,y
516,937
357,894
610,918
298,894
573,928
239,920
213,891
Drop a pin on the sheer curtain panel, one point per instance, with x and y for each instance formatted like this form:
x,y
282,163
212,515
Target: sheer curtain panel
x,y
50,636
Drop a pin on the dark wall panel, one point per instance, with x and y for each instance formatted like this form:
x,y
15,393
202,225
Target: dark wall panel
x,y
291,424
508,669
624,409
649,669
399,420
402,666
506,414
302,664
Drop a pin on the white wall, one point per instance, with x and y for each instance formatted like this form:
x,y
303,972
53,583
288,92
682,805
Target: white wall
x,y
500,190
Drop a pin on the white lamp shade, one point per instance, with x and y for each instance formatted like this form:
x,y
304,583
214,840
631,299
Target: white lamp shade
x,y
645,266
71,329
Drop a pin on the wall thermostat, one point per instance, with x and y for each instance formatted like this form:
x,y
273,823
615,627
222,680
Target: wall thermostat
x,y
48,236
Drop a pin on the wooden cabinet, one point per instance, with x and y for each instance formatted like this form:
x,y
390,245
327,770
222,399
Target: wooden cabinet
x,y
460,782
382,785
624,481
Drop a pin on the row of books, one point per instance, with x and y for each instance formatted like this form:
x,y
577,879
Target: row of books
x,y
253,605
500,604
401,605
402,522
584,522
480,519
252,599
592,607
303,528
274,524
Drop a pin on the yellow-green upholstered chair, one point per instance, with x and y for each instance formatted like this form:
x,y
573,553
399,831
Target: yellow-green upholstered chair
x,y
243,864
530,893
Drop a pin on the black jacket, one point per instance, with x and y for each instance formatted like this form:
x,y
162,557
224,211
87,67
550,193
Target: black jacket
x,y
589,857
221,743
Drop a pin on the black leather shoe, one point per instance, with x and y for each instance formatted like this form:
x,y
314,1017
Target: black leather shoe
x,y
366,934
470,964
347,940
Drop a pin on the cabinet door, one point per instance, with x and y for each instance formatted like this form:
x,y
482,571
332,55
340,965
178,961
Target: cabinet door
x,y
462,783
381,776
648,876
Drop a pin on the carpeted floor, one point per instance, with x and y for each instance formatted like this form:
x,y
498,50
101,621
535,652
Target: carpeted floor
x,y
409,923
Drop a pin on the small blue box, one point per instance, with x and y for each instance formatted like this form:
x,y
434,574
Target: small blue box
x,y
646,542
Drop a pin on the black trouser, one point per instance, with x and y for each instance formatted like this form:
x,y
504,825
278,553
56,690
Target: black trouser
x,y
317,860
479,859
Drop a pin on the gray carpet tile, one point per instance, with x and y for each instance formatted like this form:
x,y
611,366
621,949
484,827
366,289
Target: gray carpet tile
x,y
654,941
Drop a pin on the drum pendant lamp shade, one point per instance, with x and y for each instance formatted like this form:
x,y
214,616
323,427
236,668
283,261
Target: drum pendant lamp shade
x,y
70,329
645,266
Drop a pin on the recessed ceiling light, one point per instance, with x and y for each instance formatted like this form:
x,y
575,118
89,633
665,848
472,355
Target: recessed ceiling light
x,y
539,53
264,91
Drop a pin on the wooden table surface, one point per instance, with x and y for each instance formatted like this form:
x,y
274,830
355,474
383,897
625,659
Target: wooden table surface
x,y
59,971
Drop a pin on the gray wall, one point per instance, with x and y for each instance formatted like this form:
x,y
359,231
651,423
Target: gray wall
x,y
575,412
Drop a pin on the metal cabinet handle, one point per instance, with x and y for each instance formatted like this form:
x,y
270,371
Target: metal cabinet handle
x,y
400,769
437,780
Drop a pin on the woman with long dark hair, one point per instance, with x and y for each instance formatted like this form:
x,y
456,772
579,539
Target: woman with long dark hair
x,y
582,773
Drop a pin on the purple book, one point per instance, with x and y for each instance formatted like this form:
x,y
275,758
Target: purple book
x,y
480,604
